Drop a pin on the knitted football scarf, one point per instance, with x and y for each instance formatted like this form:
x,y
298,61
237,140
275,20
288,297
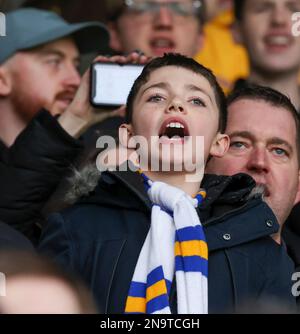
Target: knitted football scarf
x,y
175,244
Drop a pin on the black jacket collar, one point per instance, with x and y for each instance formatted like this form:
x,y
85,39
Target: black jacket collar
x,y
229,218
222,191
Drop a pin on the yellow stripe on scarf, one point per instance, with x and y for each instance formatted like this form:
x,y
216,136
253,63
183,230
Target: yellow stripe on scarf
x,y
192,248
135,305
156,290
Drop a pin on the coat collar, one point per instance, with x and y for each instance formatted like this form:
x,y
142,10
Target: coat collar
x,y
229,215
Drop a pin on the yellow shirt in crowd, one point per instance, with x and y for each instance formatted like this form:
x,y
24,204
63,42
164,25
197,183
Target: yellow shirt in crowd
x,y
221,54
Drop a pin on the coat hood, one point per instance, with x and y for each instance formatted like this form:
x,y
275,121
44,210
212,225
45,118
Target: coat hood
x,y
89,185
232,213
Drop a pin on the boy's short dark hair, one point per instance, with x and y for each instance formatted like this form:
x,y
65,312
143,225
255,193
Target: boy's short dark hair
x,y
270,96
175,59
238,9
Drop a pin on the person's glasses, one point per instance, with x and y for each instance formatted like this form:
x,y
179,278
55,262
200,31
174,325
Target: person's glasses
x,y
179,8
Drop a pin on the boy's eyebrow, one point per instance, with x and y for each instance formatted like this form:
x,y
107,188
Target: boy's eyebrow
x,y
198,89
157,85
164,85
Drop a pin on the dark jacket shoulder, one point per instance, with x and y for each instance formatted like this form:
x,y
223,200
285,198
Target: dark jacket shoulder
x,y
31,169
12,239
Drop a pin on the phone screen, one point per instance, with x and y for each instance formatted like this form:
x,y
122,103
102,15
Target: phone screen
x,y
111,83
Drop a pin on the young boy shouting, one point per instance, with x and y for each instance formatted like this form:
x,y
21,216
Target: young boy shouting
x,y
157,241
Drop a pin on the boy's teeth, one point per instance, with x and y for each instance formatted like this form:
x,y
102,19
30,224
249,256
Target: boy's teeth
x,y
175,125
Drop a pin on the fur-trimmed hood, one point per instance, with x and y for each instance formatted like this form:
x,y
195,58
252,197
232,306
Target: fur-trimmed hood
x,y
82,183
240,187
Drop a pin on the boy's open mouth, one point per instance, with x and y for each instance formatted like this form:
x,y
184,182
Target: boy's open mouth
x,y
174,129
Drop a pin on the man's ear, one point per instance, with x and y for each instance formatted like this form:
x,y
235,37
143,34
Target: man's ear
x,y
115,41
297,199
5,82
220,146
126,136
237,34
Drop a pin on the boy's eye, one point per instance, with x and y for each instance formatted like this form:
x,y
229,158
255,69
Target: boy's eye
x,y
155,98
198,102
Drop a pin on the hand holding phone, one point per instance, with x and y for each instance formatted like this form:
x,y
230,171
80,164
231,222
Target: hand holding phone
x,y
81,114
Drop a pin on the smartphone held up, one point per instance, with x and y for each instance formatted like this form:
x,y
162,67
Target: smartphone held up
x,y
111,83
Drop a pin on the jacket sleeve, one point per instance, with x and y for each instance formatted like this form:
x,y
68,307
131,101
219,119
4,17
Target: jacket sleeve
x,y
276,294
31,169
56,243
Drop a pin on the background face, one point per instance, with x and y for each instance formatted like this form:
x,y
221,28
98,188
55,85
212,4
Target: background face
x,y
45,78
263,145
38,295
215,7
266,30
156,34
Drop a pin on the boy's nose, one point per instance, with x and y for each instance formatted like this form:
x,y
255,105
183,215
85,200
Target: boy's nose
x,y
175,107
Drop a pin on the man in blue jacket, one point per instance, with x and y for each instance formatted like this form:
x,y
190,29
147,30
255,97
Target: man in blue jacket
x,y
263,126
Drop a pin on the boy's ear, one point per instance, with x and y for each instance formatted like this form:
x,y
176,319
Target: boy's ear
x,y
5,82
220,145
237,34
115,41
126,136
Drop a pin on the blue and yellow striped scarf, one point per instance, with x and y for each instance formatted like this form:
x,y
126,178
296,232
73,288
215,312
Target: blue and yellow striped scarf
x,y
175,244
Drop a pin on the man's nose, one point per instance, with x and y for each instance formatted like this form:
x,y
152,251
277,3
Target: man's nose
x,y
258,161
281,17
163,17
72,76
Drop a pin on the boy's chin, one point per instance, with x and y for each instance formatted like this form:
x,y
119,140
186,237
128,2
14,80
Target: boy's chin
x,y
176,164
160,161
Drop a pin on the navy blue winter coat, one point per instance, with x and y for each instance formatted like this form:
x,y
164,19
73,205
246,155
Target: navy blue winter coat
x,y
100,238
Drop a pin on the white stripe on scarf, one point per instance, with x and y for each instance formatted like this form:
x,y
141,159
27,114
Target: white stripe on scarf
x,y
173,213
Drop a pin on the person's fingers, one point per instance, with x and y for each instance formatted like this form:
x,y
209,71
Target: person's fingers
x,y
138,58
145,60
100,116
118,59
101,58
112,59
134,57
86,77
120,111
